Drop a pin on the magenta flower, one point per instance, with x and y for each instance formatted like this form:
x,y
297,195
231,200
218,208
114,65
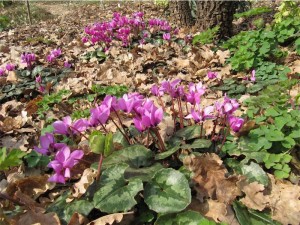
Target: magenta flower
x,y
167,36
42,88
148,116
62,126
170,87
212,75
201,115
229,106
99,115
129,101
79,126
50,58
28,58
53,55
253,78
63,163
156,91
84,39
236,123
2,72
47,142
110,102
38,79
195,93
10,67
67,64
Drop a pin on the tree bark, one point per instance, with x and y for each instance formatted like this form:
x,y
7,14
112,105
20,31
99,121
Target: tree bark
x,y
213,13
181,13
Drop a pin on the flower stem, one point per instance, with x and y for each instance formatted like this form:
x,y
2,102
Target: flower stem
x,y
124,134
224,139
201,129
161,103
79,132
180,112
120,121
99,167
161,143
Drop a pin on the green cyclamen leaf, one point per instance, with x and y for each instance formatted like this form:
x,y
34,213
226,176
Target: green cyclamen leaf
x,y
254,172
251,217
108,148
135,156
168,192
97,142
115,193
188,217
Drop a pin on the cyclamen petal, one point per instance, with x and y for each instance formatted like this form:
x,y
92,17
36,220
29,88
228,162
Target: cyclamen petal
x,y
60,127
63,154
80,125
57,178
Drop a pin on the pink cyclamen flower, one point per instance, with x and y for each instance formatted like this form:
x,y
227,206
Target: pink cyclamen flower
x,y
64,161
84,39
38,79
195,93
170,87
212,75
62,126
201,115
28,58
67,64
2,72
167,36
228,107
79,126
253,78
156,91
129,101
48,144
149,116
42,88
10,67
236,123
47,141
99,115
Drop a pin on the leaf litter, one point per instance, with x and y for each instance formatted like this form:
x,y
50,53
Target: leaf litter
x,y
138,69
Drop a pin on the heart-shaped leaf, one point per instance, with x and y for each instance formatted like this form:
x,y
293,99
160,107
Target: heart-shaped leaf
x,y
115,193
168,192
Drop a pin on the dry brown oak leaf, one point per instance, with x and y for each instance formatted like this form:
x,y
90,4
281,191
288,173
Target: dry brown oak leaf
x,y
281,197
209,177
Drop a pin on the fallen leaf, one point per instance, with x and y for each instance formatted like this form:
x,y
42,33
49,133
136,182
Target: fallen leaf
x,y
85,181
109,219
217,211
78,219
32,186
31,217
210,178
281,197
15,142
10,124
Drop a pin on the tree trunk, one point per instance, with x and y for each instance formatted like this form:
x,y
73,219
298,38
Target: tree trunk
x,y
181,13
213,13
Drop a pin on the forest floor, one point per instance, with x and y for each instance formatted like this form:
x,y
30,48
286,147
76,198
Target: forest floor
x,y
26,112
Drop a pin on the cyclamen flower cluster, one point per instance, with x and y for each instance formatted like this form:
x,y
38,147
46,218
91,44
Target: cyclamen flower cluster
x,y
28,58
125,29
193,96
146,115
53,55
2,72
8,67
